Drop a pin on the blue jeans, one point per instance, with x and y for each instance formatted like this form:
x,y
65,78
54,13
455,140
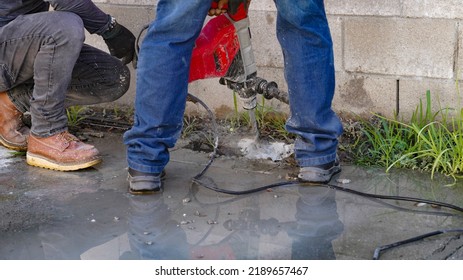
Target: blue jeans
x,y
162,81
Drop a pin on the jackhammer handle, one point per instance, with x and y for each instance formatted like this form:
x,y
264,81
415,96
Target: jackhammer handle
x,y
270,90
274,92
279,95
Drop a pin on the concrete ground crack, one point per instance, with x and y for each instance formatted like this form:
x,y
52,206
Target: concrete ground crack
x,y
449,249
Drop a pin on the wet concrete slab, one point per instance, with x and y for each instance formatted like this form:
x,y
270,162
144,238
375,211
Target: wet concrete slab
x,y
89,214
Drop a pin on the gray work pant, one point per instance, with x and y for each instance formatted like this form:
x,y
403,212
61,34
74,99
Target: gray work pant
x,y
45,67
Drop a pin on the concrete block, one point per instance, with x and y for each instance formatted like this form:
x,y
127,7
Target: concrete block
x,y
266,47
450,9
366,94
444,94
336,28
265,44
133,17
363,7
400,47
459,53
212,93
363,95
262,5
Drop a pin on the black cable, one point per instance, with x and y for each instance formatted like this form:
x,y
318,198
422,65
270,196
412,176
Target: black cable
x,y
137,46
391,197
195,100
275,185
338,188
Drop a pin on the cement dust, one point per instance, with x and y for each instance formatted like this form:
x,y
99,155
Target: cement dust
x,y
260,149
6,158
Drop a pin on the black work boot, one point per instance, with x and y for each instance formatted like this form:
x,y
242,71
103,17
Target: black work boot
x,y
145,183
320,173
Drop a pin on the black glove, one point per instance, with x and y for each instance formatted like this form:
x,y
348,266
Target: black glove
x,y
121,42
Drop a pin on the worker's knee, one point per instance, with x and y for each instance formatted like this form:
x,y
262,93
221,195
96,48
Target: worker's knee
x,y
66,29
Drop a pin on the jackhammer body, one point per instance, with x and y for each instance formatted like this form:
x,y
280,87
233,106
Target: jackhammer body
x,y
224,50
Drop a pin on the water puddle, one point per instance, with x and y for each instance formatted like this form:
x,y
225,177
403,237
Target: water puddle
x,y
90,215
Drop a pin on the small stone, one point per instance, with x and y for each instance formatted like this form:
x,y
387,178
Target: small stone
x,y
116,218
343,181
97,134
199,214
186,200
92,220
291,176
212,222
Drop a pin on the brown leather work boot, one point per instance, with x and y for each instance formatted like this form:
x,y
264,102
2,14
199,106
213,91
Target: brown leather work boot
x,y
13,132
62,152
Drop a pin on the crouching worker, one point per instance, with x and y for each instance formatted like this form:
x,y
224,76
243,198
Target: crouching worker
x,y
45,67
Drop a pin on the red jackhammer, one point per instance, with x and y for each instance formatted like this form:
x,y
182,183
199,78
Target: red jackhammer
x,y
224,50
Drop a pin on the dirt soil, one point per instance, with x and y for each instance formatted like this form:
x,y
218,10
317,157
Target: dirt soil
x,y
199,133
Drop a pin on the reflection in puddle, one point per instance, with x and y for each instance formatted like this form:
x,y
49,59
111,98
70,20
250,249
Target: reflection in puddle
x,y
94,218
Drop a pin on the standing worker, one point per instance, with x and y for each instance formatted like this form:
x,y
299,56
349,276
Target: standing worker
x,y
162,87
46,67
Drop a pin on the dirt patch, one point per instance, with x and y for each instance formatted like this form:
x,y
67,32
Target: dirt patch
x,y
199,132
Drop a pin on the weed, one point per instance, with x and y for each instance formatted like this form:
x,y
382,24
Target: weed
x,y
190,125
74,114
117,112
17,153
430,141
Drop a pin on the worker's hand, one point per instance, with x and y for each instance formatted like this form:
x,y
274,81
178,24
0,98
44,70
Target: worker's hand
x,y
121,43
228,6
220,9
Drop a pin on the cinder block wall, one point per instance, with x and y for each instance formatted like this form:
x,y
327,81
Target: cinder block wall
x,y
387,53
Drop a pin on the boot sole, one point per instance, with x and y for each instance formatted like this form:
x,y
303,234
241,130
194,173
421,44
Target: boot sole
x,y
144,192
42,162
10,146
